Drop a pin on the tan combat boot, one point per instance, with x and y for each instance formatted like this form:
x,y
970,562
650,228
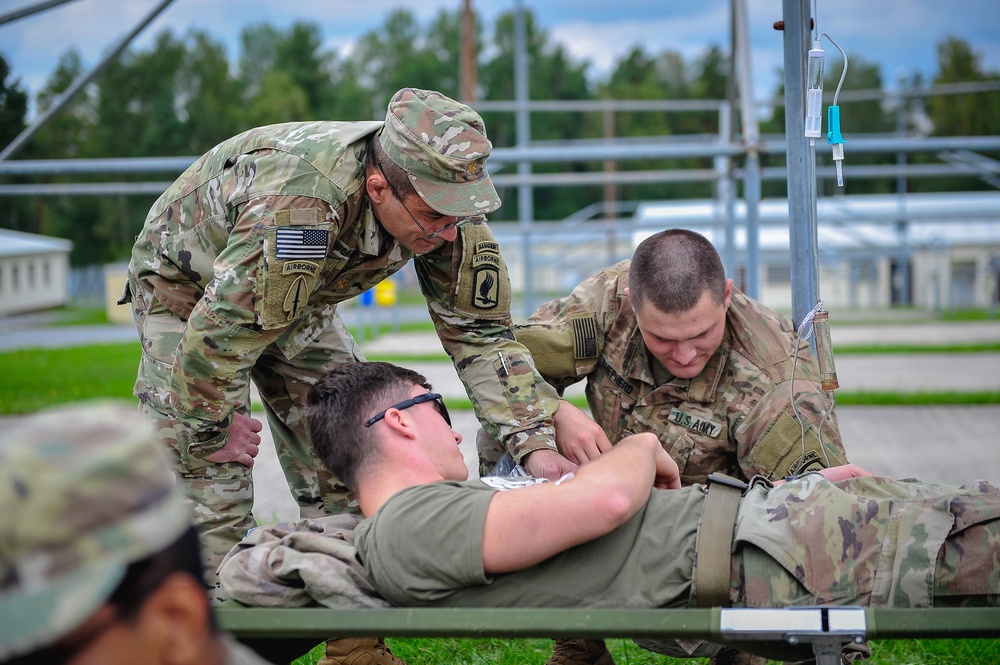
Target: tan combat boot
x,y
358,651
580,652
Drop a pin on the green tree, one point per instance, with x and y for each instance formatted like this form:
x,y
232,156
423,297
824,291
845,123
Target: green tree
x,y
974,114
138,103
966,114
298,54
205,93
350,100
66,135
280,100
69,133
13,117
552,75
258,55
13,105
667,76
398,56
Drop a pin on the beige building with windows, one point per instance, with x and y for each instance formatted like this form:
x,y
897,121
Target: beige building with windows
x,y
34,272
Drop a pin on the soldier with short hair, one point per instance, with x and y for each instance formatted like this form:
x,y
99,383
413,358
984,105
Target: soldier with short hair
x,y
236,276
668,345
99,562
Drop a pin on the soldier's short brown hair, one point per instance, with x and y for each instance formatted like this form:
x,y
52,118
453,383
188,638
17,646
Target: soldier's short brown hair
x,y
673,268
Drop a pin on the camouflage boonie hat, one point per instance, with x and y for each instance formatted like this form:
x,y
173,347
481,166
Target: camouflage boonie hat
x,y
442,145
84,490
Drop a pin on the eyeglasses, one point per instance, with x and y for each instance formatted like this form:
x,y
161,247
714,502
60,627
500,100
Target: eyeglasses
x,y
430,236
419,399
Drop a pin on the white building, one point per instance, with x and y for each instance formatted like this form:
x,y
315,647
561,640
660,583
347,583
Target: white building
x,y
34,272
945,255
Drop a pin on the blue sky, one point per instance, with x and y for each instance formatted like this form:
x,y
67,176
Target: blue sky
x,y
899,35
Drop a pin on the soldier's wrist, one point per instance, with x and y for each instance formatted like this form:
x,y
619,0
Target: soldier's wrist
x,y
541,438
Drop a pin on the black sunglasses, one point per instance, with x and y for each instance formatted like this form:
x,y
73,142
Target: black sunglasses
x,y
419,399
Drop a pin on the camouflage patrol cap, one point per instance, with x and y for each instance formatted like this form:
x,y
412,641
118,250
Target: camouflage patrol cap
x,y
442,146
85,491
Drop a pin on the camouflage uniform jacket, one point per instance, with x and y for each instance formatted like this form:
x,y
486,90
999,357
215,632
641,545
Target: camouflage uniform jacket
x,y
734,417
256,243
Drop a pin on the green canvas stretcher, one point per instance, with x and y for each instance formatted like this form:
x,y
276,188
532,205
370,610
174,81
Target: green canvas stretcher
x,y
827,629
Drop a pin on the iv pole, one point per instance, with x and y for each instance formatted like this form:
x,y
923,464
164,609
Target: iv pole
x,y
804,247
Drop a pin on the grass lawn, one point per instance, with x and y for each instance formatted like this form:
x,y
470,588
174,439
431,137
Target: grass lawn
x,y
536,652
37,378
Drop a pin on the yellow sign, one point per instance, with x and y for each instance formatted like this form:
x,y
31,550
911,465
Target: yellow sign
x,y
385,293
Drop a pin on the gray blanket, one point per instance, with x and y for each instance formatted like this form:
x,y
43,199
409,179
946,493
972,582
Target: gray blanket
x,y
297,565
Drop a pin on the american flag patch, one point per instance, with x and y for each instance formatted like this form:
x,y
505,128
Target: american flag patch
x,y
293,243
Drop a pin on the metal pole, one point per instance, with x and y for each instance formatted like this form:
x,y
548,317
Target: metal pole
x,y
725,188
79,84
525,192
803,250
610,188
902,272
751,140
726,191
28,11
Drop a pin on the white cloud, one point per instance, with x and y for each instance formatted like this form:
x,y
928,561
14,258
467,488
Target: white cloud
x,y
604,43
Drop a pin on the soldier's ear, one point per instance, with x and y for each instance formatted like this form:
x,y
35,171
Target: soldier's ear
x,y
376,187
175,618
628,294
400,423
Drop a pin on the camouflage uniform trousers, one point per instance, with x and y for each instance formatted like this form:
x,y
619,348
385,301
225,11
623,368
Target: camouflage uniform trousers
x,y
868,541
221,495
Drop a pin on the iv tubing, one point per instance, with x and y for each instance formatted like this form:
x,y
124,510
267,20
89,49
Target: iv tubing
x,y
795,358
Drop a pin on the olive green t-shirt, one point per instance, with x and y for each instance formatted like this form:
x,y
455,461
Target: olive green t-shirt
x,y
424,548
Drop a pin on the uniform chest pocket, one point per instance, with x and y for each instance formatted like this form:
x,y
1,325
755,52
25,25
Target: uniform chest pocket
x,y
609,408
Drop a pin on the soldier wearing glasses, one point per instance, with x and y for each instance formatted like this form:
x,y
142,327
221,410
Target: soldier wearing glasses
x,y
236,276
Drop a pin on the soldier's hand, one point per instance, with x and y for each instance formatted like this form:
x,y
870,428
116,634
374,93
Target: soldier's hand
x,y
843,472
579,438
547,463
668,475
243,443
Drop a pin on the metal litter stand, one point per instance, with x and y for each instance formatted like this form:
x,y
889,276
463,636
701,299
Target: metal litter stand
x,y
828,629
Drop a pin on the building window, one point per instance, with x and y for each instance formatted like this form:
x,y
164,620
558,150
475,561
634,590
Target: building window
x,y
963,284
779,274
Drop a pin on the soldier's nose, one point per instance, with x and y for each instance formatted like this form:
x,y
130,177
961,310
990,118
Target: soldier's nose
x,y
448,234
684,354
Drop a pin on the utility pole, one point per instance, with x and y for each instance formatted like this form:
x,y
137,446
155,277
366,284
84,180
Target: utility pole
x,y
467,57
